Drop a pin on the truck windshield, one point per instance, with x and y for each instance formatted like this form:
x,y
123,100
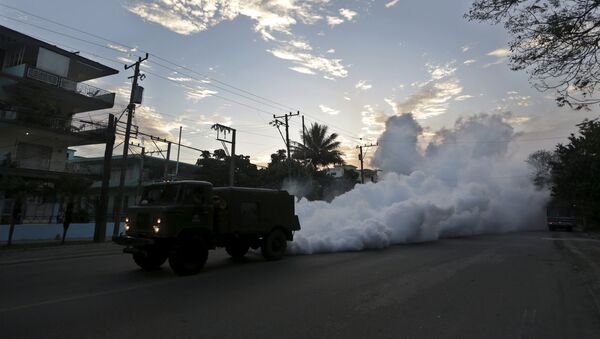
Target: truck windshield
x,y
160,195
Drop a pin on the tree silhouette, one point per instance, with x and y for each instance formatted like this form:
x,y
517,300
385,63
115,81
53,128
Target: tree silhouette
x,y
556,41
319,148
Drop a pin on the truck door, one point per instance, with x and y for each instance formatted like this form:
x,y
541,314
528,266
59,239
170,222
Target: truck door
x,y
195,200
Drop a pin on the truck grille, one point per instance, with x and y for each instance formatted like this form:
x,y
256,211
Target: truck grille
x,y
143,223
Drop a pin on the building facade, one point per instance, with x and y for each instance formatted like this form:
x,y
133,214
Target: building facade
x,y
41,88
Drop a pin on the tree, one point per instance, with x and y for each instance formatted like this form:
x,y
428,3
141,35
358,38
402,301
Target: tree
x,y
16,188
556,41
541,163
215,169
319,148
576,169
71,189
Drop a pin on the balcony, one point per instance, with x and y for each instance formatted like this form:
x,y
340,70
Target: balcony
x,y
61,130
50,89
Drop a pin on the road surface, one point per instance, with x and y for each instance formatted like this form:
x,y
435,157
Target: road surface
x,y
523,285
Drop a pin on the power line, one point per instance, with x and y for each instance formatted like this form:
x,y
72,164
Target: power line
x,y
132,49
351,135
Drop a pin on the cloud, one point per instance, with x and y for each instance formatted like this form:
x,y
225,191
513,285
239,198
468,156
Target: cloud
x,y
306,61
156,124
273,20
463,97
199,93
302,70
470,61
180,79
433,96
299,44
373,121
514,120
500,53
466,48
334,20
347,13
497,62
441,71
363,85
331,50
118,48
328,110
391,3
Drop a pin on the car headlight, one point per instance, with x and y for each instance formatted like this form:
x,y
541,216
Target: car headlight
x,y
126,223
156,228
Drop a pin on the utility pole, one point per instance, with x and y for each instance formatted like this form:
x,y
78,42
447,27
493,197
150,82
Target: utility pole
x,y
141,177
101,209
135,97
178,151
286,123
167,160
304,138
361,158
224,130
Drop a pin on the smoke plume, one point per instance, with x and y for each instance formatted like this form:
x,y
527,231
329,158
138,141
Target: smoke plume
x,y
462,183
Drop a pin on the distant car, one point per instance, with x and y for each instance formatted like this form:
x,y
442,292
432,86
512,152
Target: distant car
x,y
561,217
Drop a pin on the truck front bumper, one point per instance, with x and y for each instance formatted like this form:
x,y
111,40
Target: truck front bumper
x,y
129,241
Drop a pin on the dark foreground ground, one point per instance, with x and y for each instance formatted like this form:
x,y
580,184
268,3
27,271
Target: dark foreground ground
x,y
526,285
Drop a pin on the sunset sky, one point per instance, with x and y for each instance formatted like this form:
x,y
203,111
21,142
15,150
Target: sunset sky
x,y
349,64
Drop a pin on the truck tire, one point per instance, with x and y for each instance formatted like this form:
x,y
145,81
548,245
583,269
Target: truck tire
x,y
237,248
274,245
188,256
151,260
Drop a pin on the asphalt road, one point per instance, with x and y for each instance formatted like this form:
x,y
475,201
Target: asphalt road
x,y
526,285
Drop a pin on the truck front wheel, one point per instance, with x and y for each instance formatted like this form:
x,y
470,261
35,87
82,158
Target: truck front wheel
x,y
274,245
188,256
150,260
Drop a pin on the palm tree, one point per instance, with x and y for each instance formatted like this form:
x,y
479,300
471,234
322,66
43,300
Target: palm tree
x,y
319,148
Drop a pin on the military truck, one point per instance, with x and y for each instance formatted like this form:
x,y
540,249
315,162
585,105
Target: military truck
x,y
182,220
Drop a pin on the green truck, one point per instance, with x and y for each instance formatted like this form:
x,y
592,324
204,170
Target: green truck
x,y
182,220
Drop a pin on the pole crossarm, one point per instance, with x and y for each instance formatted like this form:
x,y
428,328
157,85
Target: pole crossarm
x,y
286,140
222,129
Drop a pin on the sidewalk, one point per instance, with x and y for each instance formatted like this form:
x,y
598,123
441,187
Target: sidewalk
x,y
35,251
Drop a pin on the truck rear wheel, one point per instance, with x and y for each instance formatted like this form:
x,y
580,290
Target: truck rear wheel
x,y
151,260
189,256
237,248
274,245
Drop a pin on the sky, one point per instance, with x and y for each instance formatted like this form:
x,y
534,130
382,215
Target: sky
x,y
347,64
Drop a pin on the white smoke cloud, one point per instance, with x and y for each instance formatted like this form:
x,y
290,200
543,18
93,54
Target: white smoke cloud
x,y
462,183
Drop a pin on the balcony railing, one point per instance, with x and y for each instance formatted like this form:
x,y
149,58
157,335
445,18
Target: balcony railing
x,y
64,125
82,88
38,74
55,80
